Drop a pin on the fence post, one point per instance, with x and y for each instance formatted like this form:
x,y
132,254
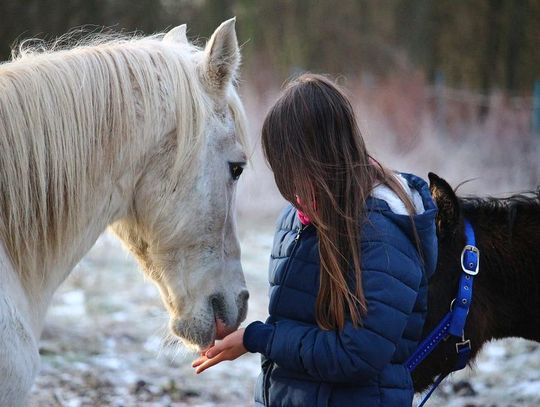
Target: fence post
x,y
535,122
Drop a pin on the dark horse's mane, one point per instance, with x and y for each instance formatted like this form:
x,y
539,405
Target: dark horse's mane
x,y
495,205
501,209
506,296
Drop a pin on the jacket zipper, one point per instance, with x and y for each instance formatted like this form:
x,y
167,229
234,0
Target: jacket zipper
x,y
287,266
298,233
266,378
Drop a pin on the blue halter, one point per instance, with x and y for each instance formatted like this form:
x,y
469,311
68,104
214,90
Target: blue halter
x,y
453,323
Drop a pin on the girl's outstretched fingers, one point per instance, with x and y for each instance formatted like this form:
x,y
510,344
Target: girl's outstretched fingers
x,y
230,348
199,361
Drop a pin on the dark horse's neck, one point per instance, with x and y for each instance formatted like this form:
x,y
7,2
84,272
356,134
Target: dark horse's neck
x,y
506,293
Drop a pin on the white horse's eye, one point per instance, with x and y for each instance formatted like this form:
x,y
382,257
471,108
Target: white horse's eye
x,y
236,170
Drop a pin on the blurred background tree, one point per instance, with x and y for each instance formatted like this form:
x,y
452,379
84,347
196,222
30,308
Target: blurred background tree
x,y
478,44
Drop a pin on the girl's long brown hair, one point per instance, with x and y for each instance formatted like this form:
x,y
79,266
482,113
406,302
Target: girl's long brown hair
x,y
312,142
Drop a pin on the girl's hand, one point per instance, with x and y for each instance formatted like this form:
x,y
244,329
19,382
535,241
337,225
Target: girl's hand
x,y
230,348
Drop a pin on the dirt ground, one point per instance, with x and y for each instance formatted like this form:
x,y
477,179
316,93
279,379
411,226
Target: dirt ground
x,y
103,346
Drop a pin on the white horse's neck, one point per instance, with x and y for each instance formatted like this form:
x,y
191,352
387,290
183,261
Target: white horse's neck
x,y
109,202
23,307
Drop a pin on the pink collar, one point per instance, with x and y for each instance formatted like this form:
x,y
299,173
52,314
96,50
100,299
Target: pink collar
x,y
304,219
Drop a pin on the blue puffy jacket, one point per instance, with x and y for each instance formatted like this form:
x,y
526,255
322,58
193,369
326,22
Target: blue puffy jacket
x,y
304,365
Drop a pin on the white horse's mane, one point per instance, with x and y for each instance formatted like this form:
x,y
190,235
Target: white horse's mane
x,y
66,116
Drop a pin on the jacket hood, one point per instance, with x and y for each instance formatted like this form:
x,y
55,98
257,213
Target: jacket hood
x,y
383,201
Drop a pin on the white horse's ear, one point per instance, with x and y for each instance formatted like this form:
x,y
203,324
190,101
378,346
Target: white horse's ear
x,y
222,56
177,35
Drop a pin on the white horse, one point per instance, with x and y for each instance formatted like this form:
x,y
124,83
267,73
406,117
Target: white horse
x,y
142,134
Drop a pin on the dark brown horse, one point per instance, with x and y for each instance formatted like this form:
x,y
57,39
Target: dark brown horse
x,y
506,292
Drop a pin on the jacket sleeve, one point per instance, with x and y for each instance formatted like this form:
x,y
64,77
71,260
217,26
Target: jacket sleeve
x,y
355,353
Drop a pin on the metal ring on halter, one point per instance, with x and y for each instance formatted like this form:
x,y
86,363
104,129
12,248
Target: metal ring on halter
x,y
452,305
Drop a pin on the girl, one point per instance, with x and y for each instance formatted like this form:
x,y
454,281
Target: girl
x,y
349,266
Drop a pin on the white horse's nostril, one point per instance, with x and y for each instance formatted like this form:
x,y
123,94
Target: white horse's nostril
x,y
243,296
242,304
218,304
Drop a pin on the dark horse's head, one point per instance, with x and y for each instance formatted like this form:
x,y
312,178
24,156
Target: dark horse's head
x,y
506,292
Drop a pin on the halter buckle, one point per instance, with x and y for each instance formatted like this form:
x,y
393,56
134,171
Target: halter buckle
x,y
470,267
461,345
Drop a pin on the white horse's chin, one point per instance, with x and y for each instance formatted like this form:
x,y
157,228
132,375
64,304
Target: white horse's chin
x,y
217,319
194,347
197,334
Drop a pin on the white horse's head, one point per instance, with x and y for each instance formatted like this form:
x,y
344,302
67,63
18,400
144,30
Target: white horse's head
x,y
181,225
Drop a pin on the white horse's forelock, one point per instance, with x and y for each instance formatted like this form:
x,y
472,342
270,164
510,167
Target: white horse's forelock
x,y
66,115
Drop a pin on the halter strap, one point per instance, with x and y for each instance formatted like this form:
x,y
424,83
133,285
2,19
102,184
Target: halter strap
x,y
470,263
453,323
